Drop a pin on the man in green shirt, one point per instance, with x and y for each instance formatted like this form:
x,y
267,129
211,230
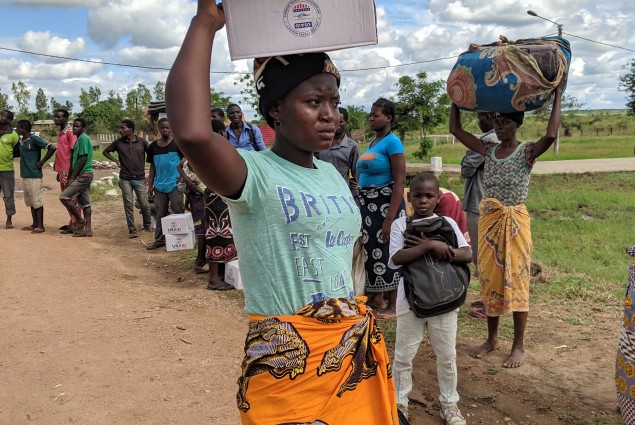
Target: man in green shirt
x,y
80,177
8,139
31,172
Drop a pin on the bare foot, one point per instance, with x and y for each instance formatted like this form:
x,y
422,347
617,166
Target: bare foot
x,y
386,314
9,224
480,352
515,359
376,301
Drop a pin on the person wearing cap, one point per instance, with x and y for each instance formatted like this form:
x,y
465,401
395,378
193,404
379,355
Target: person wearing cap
x,y
313,353
504,233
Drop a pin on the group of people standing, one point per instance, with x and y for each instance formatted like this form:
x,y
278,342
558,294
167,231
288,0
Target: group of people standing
x,y
294,223
313,352
73,165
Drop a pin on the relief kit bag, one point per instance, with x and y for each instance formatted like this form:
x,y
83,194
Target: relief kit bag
x,y
509,76
434,287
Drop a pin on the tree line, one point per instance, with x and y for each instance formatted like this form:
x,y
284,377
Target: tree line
x,y
421,104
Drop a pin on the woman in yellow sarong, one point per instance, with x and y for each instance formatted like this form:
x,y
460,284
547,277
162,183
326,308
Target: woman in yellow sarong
x,y
313,354
504,241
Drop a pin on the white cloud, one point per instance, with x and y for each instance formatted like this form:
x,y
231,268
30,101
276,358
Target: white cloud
x,y
57,3
15,69
148,23
45,42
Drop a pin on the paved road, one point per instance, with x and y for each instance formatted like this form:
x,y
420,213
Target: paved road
x,y
553,167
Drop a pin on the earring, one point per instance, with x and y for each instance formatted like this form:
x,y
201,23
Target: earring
x,y
277,121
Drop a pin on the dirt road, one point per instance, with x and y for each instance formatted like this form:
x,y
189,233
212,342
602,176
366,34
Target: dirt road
x,y
555,167
99,331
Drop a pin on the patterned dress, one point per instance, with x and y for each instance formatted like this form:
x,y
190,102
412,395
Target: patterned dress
x,y
219,238
625,362
504,232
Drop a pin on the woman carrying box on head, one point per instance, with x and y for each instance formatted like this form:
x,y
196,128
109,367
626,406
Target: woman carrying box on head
x,y
504,245
312,353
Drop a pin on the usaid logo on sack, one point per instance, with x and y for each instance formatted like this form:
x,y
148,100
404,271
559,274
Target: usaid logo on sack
x,y
302,18
174,228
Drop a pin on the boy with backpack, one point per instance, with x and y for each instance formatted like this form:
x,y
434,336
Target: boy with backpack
x,y
434,255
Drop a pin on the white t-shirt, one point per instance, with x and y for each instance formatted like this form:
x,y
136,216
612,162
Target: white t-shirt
x,y
396,243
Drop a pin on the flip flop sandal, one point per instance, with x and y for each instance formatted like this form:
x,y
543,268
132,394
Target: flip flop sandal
x,y
478,304
478,314
29,228
36,230
224,287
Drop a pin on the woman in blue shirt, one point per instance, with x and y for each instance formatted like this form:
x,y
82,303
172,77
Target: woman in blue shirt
x,y
382,178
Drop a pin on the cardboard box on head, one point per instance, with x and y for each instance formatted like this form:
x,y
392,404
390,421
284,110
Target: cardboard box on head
x,y
280,27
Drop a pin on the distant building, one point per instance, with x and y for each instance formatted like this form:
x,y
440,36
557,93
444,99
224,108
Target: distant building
x,y
43,125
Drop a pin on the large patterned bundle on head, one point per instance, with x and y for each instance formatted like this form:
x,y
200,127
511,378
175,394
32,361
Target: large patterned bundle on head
x,y
508,76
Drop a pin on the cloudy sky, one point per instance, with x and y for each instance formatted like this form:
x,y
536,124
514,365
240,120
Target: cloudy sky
x,y
149,33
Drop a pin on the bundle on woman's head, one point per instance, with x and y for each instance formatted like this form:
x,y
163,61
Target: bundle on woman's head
x,y
276,76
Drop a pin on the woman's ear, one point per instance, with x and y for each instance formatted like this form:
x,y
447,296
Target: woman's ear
x,y
274,112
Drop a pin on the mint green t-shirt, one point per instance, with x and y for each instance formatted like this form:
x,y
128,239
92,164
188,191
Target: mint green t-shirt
x,y
294,229
7,143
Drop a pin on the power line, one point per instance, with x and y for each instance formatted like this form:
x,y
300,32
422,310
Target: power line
x,y
600,42
397,66
156,68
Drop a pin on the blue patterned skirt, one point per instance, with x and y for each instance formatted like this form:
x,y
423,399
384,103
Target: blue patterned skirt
x,y
374,204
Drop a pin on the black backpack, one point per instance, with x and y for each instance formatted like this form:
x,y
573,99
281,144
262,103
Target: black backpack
x,y
434,287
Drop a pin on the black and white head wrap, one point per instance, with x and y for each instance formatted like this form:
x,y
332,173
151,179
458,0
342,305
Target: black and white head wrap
x,y
276,76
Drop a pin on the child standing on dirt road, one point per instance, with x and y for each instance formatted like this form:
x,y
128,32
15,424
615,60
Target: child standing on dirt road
x,y
31,164
424,196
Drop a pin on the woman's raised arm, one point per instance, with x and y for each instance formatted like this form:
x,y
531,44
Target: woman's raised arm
x,y
468,139
216,161
553,126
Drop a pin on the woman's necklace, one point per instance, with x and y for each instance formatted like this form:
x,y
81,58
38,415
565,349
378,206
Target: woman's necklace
x,y
377,140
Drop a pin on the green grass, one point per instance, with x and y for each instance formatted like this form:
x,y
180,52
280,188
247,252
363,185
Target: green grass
x,y
581,226
98,191
605,418
98,155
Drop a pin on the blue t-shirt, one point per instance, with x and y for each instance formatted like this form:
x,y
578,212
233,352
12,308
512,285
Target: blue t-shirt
x,y
165,160
374,165
294,229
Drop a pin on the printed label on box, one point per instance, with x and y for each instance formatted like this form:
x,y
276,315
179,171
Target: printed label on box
x,y
180,242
